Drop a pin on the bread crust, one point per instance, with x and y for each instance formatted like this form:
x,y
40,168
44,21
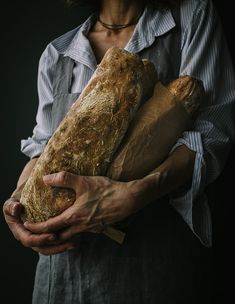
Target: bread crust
x,y
189,91
90,133
156,128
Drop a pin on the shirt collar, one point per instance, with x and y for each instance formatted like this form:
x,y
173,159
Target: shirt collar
x,y
80,49
151,25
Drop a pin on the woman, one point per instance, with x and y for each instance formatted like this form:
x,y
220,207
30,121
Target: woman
x,y
164,258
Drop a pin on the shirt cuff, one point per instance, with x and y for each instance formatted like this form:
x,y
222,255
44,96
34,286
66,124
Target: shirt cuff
x,y
34,145
191,203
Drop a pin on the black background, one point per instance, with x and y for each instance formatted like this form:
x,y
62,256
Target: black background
x,y
26,28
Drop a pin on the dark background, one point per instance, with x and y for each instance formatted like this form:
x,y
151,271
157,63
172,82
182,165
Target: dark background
x,y
26,28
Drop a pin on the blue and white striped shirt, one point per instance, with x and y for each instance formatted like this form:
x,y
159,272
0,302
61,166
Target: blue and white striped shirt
x,y
204,54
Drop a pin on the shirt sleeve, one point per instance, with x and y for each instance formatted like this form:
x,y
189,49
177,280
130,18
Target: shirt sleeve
x,y
34,145
205,55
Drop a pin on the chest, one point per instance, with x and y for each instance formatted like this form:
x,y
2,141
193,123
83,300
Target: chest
x,y
101,41
73,75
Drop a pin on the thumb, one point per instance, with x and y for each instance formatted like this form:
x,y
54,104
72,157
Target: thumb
x,y
12,207
61,179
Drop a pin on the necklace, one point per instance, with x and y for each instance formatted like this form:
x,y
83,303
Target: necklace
x,y
117,27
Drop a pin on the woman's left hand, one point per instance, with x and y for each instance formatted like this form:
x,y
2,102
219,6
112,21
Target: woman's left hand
x,y
99,201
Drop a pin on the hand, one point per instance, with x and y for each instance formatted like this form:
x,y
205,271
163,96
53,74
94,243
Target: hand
x,y
44,243
99,201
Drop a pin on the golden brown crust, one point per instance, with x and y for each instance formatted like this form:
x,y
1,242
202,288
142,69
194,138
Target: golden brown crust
x,y
88,136
190,92
156,127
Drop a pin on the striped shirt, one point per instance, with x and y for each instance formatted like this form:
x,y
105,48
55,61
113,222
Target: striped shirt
x,y
204,54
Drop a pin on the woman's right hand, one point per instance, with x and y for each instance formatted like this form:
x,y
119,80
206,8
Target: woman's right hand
x,y
44,243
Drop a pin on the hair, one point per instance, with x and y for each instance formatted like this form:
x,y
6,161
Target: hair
x,y
95,4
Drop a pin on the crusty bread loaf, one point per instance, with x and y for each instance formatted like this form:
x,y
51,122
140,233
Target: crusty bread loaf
x,y
189,91
90,133
156,127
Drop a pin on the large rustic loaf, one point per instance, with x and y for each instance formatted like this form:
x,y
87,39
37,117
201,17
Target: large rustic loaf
x,y
156,127
90,133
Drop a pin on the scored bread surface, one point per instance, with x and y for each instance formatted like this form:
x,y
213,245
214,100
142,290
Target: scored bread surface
x,y
90,133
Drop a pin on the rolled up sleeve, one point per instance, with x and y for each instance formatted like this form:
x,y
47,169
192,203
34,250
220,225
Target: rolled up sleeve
x,y
190,202
34,145
205,56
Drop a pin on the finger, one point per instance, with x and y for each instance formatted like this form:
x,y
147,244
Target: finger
x,y
30,240
55,249
65,219
62,179
73,231
12,208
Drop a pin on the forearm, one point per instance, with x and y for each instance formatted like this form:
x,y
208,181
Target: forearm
x,y
176,170
172,174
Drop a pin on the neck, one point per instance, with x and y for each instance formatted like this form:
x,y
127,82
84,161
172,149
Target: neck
x,y
120,11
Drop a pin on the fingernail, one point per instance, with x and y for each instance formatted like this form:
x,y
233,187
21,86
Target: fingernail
x,y
13,209
26,224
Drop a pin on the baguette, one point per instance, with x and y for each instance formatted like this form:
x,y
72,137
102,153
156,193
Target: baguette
x,y
156,127
90,133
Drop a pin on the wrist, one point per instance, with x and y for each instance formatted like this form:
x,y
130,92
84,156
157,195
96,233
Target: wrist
x,y
178,170
145,190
